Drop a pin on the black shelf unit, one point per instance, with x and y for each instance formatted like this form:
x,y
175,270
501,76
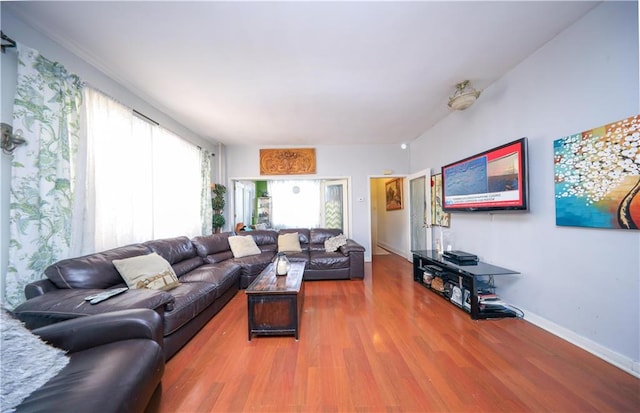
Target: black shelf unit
x,y
469,279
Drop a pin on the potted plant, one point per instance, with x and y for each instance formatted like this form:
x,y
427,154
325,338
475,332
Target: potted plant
x,y
217,204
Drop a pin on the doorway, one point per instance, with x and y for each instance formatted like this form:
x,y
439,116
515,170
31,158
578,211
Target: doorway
x,y
292,203
388,225
409,228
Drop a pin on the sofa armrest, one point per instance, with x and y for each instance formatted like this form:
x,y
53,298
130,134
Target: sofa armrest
x,y
355,252
95,330
64,304
39,287
351,246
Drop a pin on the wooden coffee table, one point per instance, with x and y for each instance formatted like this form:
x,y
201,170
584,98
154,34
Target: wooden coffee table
x,y
275,303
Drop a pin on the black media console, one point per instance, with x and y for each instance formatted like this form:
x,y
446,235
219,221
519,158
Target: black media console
x,y
470,287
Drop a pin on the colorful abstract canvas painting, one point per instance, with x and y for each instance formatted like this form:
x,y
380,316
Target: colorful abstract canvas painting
x,y
597,176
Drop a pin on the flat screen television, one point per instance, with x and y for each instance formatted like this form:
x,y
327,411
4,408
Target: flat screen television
x,y
494,180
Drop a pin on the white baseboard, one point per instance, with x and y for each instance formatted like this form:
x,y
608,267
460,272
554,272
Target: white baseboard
x,y
622,362
391,249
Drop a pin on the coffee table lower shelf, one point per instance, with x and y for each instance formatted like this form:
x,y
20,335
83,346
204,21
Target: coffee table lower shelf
x,y
274,315
274,304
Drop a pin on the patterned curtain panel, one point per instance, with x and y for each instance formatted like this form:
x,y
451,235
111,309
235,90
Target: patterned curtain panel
x,y
206,213
46,109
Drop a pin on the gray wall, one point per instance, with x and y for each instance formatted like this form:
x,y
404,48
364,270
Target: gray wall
x,y
357,162
580,283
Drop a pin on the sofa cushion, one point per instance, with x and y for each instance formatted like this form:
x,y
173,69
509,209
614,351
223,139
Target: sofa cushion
x,y
147,271
320,235
243,246
322,260
289,242
92,271
64,304
253,265
191,298
224,275
298,256
266,240
179,251
213,248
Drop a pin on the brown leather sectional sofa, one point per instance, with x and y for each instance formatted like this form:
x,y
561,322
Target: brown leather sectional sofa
x,y
209,277
115,364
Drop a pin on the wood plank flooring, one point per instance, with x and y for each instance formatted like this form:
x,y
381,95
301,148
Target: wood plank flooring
x,y
387,344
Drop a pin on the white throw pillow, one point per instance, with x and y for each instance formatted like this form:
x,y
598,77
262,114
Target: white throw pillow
x,y
147,271
332,244
243,245
289,242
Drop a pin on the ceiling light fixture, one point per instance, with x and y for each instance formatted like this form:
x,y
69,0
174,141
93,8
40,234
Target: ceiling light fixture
x,y
403,146
463,97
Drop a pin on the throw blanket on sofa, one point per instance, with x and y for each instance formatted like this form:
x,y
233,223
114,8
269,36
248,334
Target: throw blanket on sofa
x,y
27,362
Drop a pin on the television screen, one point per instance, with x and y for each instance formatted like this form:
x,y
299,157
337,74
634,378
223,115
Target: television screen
x,y
493,180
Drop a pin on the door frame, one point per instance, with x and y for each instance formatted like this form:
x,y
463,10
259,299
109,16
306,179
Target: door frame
x,y
405,212
426,173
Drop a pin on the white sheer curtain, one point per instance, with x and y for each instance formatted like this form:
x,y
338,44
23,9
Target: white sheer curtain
x,y
143,182
295,203
176,186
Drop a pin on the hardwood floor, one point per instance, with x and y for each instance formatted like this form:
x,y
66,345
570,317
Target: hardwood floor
x,y
386,344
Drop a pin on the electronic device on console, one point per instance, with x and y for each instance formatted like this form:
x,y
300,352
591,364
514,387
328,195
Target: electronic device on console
x,y
460,257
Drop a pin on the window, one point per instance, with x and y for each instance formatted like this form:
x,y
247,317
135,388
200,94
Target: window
x,y
295,203
143,182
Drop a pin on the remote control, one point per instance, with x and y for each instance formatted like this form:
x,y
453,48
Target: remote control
x,y
97,298
105,292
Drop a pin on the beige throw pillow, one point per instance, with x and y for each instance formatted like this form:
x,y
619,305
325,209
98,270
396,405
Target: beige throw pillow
x,y
243,245
289,242
332,244
147,271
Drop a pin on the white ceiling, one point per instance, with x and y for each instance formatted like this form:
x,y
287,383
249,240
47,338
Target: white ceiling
x,y
303,73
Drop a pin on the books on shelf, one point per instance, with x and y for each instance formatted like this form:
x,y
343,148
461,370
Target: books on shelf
x,y
466,300
490,302
456,295
487,297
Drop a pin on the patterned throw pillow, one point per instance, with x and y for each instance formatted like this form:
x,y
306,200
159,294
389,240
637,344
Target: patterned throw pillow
x,y
243,245
289,242
332,244
147,271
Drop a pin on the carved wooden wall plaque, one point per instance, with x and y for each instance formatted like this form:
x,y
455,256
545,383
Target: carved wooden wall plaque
x,y
287,161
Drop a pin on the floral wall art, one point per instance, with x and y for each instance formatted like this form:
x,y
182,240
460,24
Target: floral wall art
x,y
597,176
